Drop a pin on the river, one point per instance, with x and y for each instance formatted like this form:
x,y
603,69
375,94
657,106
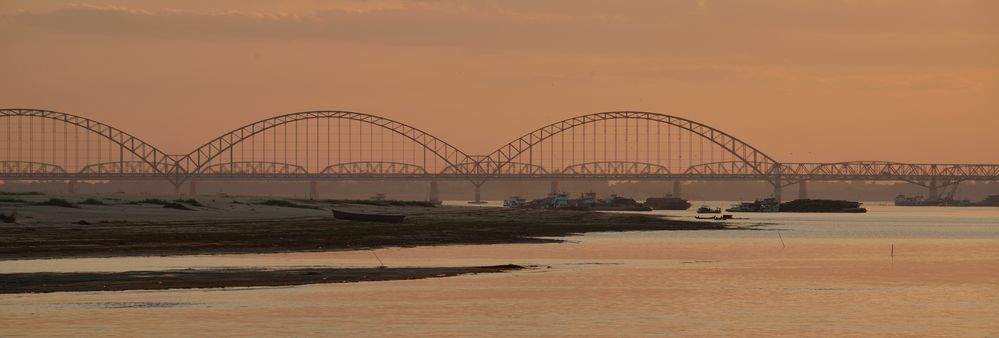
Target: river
x,y
917,271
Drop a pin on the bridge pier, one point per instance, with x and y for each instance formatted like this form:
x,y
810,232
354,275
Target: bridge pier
x,y
778,189
313,189
478,196
435,196
71,187
676,188
934,192
554,187
193,188
802,190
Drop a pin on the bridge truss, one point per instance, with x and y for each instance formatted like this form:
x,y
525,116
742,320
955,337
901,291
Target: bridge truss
x,y
341,145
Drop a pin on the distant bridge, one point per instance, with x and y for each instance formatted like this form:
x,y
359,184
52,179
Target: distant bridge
x,y
339,145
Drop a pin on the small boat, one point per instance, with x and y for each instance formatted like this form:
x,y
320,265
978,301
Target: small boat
x,y
717,218
764,205
708,210
353,216
514,202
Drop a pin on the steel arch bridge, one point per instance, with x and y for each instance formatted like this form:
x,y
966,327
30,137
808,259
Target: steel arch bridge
x,y
342,145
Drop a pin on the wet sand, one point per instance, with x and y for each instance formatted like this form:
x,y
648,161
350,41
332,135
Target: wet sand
x,y
123,227
233,225
41,282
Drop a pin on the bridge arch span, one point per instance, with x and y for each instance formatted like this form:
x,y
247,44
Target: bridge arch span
x,y
671,143
76,144
318,140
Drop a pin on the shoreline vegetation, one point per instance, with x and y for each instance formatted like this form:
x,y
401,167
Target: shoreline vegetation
x,y
113,227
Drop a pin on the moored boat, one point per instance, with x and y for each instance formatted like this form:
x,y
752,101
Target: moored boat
x,y
764,205
820,205
991,201
717,218
354,216
704,209
669,202
514,202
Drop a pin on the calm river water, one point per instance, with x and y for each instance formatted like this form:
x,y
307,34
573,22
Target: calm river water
x,y
823,275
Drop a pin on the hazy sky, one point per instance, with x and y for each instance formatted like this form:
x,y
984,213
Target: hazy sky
x,y
913,81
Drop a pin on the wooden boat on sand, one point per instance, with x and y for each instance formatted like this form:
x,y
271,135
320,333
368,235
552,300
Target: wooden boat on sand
x,y
354,216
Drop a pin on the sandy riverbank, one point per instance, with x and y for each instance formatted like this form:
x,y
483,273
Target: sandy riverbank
x,y
221,278
147,226
242,225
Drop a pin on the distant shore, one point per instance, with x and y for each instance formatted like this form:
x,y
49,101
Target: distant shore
x,y
214,225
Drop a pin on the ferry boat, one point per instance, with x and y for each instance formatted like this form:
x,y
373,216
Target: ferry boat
x,y
704,209
667,203
920,201
765,205
614,202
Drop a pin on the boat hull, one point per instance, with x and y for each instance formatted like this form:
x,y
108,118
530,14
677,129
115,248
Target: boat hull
x,y
667,203
353,216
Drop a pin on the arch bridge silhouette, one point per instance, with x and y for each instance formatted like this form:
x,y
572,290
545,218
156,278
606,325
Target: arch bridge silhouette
x,y
319,146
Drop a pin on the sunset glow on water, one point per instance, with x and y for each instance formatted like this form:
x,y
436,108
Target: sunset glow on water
x,y
835,276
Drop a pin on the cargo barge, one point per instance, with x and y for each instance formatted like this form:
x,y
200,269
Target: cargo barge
x,y
801,205
920,201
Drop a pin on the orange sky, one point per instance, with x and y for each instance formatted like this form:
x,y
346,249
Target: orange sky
x,y
914,81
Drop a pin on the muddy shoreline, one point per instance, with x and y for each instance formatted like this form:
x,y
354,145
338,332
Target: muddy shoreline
x,y
317,231
241,226
44,282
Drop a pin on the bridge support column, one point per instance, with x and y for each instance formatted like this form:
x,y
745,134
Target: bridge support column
x,y
778,190
313,189
478,195
676,188
435,195
934,192
71,187
193,188
554,188
802,190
